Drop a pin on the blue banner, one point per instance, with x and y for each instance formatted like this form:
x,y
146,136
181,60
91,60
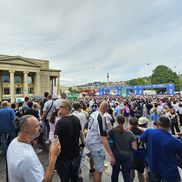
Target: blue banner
x,y
137,89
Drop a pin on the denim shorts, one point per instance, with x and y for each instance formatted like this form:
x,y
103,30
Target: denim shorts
x,y
98,158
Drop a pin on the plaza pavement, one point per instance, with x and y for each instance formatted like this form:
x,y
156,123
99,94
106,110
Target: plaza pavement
x,y
43,156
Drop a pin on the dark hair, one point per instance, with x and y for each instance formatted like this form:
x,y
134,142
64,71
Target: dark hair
x,y
120,120
133,121
20,104
164,122
30,104
49,97
26,98
83,106
13,105
46,94
76,106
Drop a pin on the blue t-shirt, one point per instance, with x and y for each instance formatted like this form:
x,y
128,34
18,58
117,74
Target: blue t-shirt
x,y
154,117
117,110
162,148
7,118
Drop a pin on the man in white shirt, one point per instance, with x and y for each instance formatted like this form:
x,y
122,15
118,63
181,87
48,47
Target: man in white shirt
x,y
47,112
58,102
23,164
81,116
97,138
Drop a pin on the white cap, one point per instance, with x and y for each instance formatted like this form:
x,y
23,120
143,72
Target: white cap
x,y
143,120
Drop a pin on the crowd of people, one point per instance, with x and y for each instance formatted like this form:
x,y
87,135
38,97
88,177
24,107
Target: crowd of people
x,y
141,134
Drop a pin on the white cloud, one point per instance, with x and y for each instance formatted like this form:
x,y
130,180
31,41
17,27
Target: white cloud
x,y
116,36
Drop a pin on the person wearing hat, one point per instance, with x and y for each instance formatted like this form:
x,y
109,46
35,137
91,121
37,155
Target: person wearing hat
x,y
162,149
143,123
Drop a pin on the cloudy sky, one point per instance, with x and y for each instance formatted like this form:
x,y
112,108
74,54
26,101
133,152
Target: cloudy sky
x,y
86,39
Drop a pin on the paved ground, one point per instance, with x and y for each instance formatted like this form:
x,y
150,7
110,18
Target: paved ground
x,y
43,156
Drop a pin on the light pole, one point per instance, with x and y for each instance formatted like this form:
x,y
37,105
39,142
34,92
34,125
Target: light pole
x,y
108,79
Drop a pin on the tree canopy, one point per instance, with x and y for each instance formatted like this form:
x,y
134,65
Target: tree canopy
x,y
137,81
163,74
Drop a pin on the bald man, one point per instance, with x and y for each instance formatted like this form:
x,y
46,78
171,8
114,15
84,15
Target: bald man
x,y
96,139
23,163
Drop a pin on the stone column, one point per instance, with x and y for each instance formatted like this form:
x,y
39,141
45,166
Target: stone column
x,y
58,85
48,84
37,84
25,83
55,85
12,85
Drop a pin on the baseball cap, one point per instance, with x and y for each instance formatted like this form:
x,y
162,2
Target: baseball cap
x,y
143,120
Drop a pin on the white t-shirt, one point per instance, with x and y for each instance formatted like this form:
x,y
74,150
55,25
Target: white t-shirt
x,y
23,163
108,120
81,117
49,104
180,110
93,138
57,103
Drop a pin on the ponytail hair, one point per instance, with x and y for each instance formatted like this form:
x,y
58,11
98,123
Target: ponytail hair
x,y
120,120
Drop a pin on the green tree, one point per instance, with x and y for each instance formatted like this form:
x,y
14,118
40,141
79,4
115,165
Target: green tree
x,y
74,90
137,81
163,74
178,86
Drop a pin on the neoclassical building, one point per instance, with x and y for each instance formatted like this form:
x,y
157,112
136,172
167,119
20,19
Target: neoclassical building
x,y
20,77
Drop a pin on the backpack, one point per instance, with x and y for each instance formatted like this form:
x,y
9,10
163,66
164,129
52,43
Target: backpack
x,y
53,116
42,105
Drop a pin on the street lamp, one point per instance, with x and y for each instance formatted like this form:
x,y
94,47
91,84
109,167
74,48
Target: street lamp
x,y
108,79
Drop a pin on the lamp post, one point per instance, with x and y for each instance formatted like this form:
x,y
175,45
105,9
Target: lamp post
x,y
108,79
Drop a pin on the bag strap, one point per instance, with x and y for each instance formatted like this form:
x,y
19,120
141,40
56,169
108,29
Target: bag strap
x,y
49,110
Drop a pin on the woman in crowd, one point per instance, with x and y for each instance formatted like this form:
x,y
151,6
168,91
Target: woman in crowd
x,y
123,144
174,121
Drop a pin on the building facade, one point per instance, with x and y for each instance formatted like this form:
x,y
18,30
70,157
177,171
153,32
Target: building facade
x,y
20,77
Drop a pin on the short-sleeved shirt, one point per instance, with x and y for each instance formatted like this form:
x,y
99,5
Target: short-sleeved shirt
x,y
23,163
82,117
162,148
97,127
68,130
122,141
49,104
57,103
